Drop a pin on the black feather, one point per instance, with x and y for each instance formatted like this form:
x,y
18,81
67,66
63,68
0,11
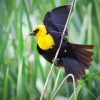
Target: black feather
x,y
55,19
73,67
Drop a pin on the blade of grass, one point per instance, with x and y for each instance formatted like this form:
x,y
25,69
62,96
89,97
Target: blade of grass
x,y
78,89
20,48
90,33
56,82
91,76
5,95
97,7
19,78
83,30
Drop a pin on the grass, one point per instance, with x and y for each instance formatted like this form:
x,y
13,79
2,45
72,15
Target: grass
x,y
22,78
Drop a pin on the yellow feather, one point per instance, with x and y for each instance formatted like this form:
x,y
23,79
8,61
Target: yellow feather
x,y
45,41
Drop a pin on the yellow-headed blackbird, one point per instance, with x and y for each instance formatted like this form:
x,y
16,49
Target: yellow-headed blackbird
x,y
75,58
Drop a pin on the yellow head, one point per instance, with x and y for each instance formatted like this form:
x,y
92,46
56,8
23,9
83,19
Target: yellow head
x,y
39,31
45,41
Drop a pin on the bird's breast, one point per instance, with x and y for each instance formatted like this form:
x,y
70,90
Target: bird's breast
x,y
46,42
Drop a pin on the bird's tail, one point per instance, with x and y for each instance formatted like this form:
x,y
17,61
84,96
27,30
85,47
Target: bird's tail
x,y
77,66
84,54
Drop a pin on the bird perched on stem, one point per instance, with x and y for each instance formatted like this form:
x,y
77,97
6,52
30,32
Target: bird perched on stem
x,y
75,58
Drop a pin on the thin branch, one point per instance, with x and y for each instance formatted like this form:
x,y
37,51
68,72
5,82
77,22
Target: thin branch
x,y
56,55
63,83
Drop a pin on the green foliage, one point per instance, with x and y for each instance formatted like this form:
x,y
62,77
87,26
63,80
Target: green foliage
x,y
23,71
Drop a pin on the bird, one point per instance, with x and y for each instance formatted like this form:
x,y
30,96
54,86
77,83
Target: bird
x,y
74,58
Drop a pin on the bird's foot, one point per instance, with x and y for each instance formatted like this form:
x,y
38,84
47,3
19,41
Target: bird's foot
x,y
55,61
63,36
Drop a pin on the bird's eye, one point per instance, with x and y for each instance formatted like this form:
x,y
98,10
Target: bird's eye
x,y
36,31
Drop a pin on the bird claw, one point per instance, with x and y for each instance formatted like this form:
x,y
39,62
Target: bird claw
x,y
63,36
55,61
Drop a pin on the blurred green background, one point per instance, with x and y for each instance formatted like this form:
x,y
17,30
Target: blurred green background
x,y
23,71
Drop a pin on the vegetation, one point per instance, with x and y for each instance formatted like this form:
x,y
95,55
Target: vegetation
x,y
23,71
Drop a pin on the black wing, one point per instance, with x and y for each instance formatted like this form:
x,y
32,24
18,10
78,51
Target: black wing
x,y
55,19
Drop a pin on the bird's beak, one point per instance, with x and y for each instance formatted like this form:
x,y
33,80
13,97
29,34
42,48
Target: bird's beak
x,y
32,33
